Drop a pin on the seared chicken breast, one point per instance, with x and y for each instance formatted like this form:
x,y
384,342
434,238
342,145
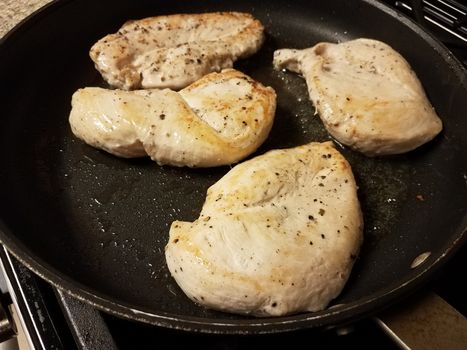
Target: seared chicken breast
x,y
366,94
278,234
174,51
217,120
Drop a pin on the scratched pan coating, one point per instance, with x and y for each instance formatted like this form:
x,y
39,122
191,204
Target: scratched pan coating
x,y
96,225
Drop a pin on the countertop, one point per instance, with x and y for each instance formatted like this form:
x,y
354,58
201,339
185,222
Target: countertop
x,y
13,11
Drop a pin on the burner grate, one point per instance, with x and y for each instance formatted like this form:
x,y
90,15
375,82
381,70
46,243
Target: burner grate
x,y
447,16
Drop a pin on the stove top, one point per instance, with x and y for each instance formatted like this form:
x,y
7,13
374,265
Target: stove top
x,y
54,320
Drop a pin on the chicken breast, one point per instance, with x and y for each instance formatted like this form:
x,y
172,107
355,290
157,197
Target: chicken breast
x,y
218,120
278,234
366,94
174,51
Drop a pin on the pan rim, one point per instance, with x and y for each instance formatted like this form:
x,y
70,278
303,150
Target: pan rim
x,y
373,302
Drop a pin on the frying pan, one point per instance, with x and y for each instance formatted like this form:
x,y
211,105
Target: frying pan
x,y
95,225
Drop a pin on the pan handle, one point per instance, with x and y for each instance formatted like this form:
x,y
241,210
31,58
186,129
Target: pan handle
x,y
425,322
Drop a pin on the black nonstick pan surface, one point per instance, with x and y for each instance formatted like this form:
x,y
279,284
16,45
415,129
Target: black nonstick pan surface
x,y
96,225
